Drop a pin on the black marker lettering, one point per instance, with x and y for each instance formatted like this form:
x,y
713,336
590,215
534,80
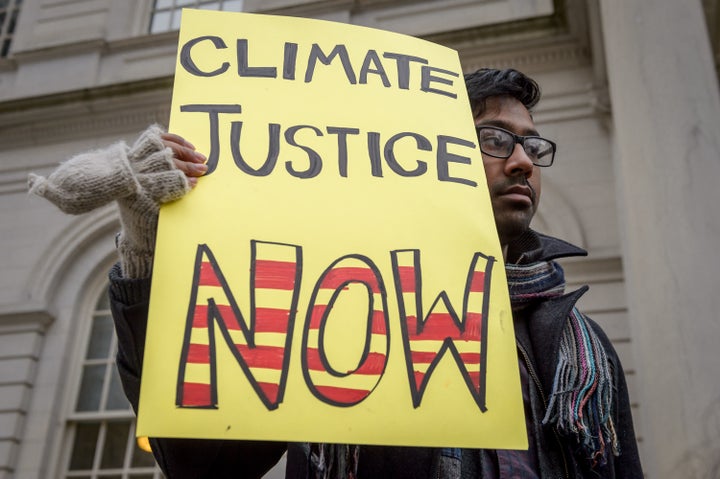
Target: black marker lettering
x,y
273,150
427,77
314,159
374,152
214,113
444,157
191,67
403,67
289,60
342,145
422,144
372,58
247,71
316,54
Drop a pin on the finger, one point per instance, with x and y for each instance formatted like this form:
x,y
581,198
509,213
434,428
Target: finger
x,y
182,148
190,169
185,153
177,139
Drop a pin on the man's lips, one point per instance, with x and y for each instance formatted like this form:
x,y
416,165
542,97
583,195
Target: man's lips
x,y
519,193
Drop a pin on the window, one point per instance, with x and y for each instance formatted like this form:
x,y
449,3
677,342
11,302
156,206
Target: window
x,y
9,10
166,13
101,428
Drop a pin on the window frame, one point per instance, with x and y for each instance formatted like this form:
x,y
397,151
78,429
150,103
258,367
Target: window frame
x,y
85,316
12,14
175,7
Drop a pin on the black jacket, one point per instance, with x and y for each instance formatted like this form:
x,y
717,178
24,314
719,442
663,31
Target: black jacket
x,y
538,344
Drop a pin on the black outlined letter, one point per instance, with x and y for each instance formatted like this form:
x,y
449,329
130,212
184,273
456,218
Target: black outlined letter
x,y
261,346
426,338
191,67
348,387
214,112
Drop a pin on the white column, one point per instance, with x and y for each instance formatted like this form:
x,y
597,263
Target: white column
x,y
666,114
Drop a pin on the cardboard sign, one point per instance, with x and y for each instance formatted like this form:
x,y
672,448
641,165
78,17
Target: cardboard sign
x,y
336,276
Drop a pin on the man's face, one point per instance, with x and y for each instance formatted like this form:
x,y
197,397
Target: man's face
x,y
514,182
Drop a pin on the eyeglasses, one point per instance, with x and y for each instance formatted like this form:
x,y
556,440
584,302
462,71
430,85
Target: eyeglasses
x,y
500,143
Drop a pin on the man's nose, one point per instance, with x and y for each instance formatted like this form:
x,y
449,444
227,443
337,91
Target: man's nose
x,y
519,163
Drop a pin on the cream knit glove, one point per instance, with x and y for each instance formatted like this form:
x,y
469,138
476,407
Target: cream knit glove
x,y
140,178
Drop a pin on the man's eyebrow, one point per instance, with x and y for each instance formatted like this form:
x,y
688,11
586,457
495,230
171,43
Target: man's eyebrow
x,y
507,126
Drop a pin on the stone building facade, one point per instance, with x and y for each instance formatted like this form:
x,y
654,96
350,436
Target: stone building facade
x,y
630,96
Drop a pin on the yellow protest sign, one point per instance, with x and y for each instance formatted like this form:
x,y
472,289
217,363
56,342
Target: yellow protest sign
x,y
336,276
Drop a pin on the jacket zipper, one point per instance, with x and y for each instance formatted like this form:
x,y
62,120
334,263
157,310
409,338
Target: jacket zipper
x,y
536,380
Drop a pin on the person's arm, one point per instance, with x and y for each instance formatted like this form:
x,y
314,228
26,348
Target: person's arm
x,y
160,167
178,458
129,299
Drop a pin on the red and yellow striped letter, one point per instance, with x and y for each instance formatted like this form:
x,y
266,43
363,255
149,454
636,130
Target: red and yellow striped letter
x,y
262,346
346,383
427,338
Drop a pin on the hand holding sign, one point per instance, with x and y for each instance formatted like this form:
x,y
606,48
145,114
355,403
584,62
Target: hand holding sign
x,y
185,157
139,178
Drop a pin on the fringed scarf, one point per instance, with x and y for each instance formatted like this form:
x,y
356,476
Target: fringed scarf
x,y
582,391
334,461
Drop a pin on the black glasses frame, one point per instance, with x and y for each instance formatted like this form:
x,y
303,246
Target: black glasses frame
x,y
517,139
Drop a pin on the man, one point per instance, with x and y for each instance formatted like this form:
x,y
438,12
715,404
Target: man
x,y
576,404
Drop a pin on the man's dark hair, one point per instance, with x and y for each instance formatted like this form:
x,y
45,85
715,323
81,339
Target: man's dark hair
x,y
488,82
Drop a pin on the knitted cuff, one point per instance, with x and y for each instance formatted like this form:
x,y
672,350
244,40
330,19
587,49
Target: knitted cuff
x,y
135,263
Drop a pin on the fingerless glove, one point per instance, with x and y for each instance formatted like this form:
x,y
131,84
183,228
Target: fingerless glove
x,y
139,178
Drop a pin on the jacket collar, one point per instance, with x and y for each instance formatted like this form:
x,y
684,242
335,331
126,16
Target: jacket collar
x,y
533,246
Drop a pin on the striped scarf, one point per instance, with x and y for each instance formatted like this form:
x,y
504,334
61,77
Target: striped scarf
x,y
582,390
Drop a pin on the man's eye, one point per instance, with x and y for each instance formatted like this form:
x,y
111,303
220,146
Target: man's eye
x,y
532,150
493,141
